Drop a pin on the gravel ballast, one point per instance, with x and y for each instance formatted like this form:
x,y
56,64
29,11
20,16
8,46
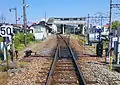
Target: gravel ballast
x,y
29,72
99,74
94,70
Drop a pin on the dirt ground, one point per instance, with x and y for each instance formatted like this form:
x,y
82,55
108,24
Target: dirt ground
x,y
39,46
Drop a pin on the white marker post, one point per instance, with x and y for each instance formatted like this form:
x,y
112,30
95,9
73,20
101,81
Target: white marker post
x,y
118,50
5,31
4,45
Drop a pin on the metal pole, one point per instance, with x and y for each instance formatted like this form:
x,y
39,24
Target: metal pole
x,y
16,15
63,29
101,20
4,45
110,19
88,28
2,18
88,22
13,47
117,58
24,20
110,16
45,17
6,53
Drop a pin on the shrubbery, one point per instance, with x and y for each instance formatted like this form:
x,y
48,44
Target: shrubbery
x,y
19,40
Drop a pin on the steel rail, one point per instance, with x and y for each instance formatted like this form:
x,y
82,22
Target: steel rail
x,y
49,80
81,77
49,77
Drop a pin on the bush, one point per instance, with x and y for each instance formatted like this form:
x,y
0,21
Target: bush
x,y
30,37
19,39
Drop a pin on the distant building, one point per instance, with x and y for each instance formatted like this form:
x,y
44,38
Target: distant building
x,y
40,30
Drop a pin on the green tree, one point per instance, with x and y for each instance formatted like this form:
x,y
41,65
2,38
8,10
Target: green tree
x,y
115,24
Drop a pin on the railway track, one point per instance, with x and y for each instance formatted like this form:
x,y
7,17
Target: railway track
x,y
64,69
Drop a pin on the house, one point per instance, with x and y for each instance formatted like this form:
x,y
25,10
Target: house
x,y
40,30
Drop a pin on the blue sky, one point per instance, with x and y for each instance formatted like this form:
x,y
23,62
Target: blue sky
x,y
54,8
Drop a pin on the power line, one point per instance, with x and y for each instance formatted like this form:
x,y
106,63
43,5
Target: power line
x,y
98,18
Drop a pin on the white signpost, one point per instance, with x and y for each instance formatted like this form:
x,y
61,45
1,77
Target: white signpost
x,y
113,40
6,31
94,37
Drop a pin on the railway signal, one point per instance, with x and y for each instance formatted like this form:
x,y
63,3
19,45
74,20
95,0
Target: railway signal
x,y
99,49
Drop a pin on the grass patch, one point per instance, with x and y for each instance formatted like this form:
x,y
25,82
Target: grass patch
x,y
81,39
20,47
22,64
3,68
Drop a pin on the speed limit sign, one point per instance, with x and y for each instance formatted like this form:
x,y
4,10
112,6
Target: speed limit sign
x,y
6,30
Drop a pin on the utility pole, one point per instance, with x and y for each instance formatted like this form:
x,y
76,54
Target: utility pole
x,y
110,26
25,22
101,21
110,16
16,15
45,17
2,18
88,21
110,39
88,29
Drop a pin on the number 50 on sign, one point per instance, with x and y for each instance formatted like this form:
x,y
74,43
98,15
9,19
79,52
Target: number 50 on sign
x,y
6,31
